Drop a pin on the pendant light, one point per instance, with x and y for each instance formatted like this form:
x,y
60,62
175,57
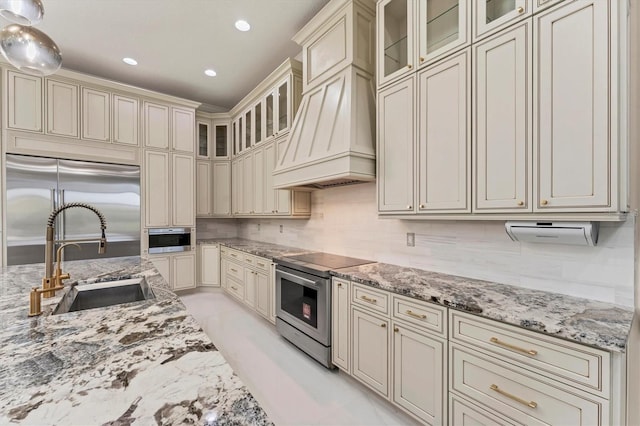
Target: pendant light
x,y
26,48
24,12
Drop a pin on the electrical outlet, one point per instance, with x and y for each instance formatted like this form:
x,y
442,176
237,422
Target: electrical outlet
x,y
411,239
281,228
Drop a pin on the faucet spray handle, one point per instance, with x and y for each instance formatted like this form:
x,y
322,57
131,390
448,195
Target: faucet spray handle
x,y
102,244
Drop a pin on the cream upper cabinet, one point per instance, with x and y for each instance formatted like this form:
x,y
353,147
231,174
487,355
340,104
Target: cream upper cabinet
x,y
493,15
248,182
340,329
203,188
269,108
502,121
258,181
157,190
283,107
371,344
258,120
539,5
183,190
221,196
396,134
203,148
96,110
237,175
414,33
125,120
396,50
183,130
573,147
220,140
156,125
183,271
24,102
248,129
442,26
62,108
270,195
419,374
444,136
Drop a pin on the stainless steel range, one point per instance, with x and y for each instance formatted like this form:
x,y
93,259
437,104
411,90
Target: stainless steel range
x,y
303,300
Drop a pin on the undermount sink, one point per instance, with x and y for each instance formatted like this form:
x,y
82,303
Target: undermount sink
x,y
103,294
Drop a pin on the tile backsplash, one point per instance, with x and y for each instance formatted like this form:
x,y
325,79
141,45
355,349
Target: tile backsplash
x,y
345,221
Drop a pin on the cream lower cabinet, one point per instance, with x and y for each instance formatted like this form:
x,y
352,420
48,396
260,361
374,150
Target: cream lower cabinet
x,y
209,265
250,279
179,270
340,324
419,373
371,343
394,345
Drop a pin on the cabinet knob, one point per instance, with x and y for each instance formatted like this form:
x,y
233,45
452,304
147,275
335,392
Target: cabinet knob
x,y
421,58
383,325
544,202
521,203
422,206
409,66
409,207
339,284
520,9
396,329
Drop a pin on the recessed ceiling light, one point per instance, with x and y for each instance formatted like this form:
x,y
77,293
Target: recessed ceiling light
x,y
129,61
243,25
210,73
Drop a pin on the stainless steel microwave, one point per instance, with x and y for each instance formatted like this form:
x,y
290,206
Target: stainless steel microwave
x,y
169,240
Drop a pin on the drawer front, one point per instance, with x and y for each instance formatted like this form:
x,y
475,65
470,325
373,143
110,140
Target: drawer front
x,y
464,413
236,288
504,388
235,270
224,250
577,364
432,318
371,299
233,254
258,263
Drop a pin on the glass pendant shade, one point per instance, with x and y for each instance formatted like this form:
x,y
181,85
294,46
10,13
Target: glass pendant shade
x,y
24,12
30,50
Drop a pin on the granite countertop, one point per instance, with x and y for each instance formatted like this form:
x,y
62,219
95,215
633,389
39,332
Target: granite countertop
x,y
258,248
146,362
598,324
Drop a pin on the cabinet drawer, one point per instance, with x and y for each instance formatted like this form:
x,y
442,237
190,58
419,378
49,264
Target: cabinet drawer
x,y
500,386
572,363
234,270
464,413
432,318
256,262
372,299
233,254
236,288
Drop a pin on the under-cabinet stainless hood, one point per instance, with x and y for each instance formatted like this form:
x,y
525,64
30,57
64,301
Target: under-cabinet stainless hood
x,y
332,138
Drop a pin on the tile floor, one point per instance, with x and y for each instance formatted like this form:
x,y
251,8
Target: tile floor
x,y
291,387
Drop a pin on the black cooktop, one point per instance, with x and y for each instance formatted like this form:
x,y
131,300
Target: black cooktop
x,y
319,263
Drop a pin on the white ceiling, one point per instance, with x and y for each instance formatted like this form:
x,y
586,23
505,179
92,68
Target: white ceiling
x,y
174,41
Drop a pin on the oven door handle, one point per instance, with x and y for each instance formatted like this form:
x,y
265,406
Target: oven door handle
x,y
297,279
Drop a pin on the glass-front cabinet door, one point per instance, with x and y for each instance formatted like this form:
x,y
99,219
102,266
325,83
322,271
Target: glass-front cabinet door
x,y
268,112
443,25
221,141
395,39
203,139
491,15
240,134
257,128
234,137
283,98
247,130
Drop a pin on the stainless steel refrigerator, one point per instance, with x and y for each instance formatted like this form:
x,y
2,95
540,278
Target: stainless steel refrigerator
x,y
37,185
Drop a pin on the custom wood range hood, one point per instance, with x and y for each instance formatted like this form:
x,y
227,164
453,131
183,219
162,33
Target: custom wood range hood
x,y
332,139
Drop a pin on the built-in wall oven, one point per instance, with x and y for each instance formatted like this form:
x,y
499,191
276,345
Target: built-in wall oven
x,y
303,300
168,240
